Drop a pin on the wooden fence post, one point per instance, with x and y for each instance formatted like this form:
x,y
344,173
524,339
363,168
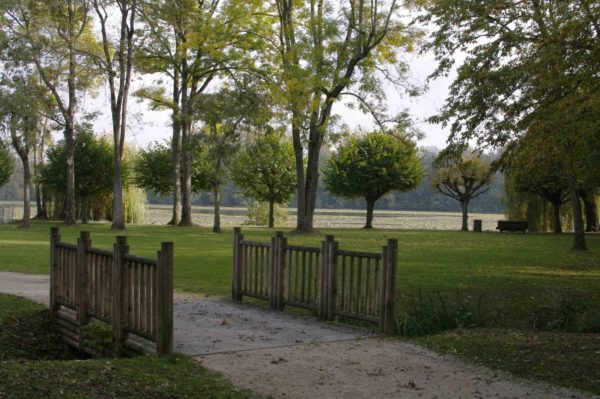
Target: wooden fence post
x,y
331,288
322,312
120,248
382,292
164,319
54,238
237,265
280,243
273,270
390,292
81,284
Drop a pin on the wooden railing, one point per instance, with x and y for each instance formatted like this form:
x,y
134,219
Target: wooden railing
x,y
130,296
328,280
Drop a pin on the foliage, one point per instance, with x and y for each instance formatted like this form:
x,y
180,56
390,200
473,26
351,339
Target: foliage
x,y
153,170
373,165
7,164
463,176
93,163
259,213
527,66
264,170
321,57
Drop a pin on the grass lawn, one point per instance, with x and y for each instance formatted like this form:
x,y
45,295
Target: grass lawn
x,y
34,363
527,294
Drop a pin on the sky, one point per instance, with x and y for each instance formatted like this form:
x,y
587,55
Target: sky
x,y
147,126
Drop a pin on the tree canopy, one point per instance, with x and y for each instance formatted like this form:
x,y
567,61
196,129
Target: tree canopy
x,y
7,164
264,170
463,176
371,166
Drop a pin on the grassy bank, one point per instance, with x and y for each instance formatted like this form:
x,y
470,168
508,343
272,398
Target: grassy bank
x,y
34,363
521,303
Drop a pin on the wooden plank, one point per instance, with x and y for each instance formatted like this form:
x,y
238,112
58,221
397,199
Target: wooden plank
x,y
332,286
382,293
343,282
359,280
303,278
309,297
376,287
296,275
390,315
367,302
351,298
164,344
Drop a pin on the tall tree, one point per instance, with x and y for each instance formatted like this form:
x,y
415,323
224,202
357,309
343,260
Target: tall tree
x,y
371,166
326,51
195,44
116,62
529,65
7,164
264,170
20,106
463,176
47,34
538,168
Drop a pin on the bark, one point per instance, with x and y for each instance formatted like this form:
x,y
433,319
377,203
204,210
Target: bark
x,y
26,192
465,215
370,208
217,207
176,151
591,211
556,223
85,206
579,243
186,159
271,213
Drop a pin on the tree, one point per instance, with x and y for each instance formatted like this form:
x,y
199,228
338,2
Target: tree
x,y
371,166
48,35
194,44
7,164
116,62
528,65
463,176
19,107
93,159
152,170
540,169
328,50
264,170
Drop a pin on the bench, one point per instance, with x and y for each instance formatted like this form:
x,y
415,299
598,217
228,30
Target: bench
x,y
511,225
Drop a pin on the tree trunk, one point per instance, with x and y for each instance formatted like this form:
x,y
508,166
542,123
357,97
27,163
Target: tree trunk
x,y
299,157
26,192
186,156
465,215
85,206
217,207
69,218
579,243
370,207
118,222
556,223
271,213
591,212
176,152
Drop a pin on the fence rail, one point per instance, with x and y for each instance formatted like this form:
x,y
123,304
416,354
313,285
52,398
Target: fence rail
x,y
329,280
130,295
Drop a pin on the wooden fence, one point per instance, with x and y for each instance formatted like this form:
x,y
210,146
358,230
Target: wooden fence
x,y
128,298
329,280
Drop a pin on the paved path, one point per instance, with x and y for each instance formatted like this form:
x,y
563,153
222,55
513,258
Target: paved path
x,y
288,356
206,325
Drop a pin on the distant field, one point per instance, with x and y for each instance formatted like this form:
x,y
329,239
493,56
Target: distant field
x,y
324,218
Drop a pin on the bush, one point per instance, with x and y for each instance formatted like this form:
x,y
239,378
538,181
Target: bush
x,y
258,213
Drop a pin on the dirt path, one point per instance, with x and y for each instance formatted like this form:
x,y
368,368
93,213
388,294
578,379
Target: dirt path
x,y
288,356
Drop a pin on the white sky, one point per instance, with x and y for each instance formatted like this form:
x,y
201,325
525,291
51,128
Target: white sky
x,y
147,126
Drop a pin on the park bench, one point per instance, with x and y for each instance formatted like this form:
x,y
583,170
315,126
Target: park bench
x,y
511,225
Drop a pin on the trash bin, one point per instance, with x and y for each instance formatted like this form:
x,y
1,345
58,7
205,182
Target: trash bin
x,y
477,225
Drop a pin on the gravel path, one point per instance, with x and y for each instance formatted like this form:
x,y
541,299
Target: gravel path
x,y
288,356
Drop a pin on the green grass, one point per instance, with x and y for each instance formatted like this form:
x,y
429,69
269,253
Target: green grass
x,y
35,363
514,285
562,358
517,276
